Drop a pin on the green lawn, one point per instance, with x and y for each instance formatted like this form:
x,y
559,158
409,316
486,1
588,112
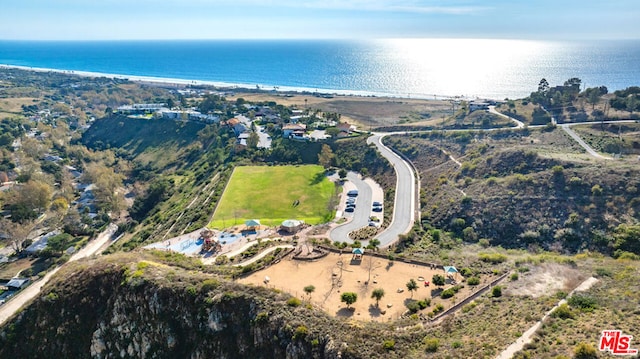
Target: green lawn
x,y
269,193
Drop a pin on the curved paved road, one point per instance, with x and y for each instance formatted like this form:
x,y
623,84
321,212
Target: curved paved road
x,y
360,215
404,206
519,124
584,145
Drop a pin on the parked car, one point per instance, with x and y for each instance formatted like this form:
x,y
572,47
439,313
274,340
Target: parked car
x,y
376,204
349,209
353,193
351,200
377,208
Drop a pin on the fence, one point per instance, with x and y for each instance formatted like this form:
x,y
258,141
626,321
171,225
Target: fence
x,y
469,298
280,256
385,256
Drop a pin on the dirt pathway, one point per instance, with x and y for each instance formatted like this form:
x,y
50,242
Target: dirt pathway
x,y
527,337
263,254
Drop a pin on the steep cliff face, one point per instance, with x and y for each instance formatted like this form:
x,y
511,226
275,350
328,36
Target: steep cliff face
x,y
111,310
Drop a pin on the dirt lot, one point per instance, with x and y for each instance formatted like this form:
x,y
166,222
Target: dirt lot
x,y
546,279
330,279
365,112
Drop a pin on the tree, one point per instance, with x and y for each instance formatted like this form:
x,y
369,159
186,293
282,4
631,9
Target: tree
x,y
60,242
17,232
438,279
106,181
412,286
593,97
170,103
342,173
253,140
377,294
309,289
348,298
374,244
543,86
573,83
35,195
325,157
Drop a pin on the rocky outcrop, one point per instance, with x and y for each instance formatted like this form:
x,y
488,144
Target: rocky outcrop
x,y
110,310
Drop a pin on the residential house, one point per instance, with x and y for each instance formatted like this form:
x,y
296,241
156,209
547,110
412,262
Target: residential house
x,y
477,105
17,283
294,130
346,129
141,108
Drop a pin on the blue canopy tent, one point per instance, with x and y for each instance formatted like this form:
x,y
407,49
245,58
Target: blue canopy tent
x,y
450,271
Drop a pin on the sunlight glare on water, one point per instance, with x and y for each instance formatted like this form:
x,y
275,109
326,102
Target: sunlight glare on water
x,y
459,67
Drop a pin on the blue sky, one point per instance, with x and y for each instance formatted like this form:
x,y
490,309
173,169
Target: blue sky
x,y
327,19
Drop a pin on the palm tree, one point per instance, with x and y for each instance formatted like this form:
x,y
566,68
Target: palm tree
x,y
377,295
411,286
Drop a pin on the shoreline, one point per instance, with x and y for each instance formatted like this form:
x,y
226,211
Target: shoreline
x,y
221,85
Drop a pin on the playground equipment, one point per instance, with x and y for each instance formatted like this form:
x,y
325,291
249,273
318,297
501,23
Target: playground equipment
x,y
209,241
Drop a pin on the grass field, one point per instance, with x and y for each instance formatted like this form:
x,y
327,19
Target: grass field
x,y
269,193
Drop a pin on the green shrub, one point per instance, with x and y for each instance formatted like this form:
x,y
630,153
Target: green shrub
x,y
210,284
496,291
563,312
301,332
493,258
466,272
431,345
585,351
262,317
294,302
447,293
473,281
439,308
584,302
438,279
450,292
413,306
456,345
514,277
191,290
424,303
389,345
603,272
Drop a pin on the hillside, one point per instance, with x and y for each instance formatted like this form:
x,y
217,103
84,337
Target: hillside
x,y
526,189
156,306
159,305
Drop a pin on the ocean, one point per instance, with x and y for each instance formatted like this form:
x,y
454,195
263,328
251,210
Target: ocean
x,y
421,68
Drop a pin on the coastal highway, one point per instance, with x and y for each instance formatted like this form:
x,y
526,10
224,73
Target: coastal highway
x,y
404,206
